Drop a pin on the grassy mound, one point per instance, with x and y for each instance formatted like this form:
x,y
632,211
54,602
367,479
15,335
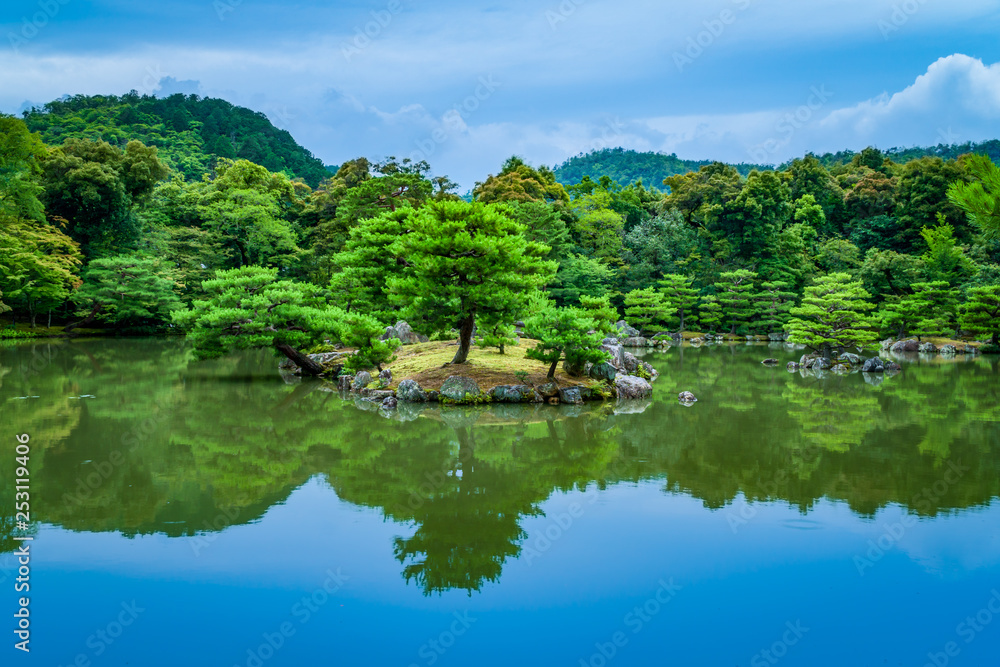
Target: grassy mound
x,y
429,364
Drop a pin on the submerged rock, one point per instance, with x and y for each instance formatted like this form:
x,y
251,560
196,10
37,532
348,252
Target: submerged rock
x,y
792,366
770,362
687,397
389,403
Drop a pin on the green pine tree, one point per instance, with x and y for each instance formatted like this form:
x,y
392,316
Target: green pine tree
x,y
710,313
833,315
735,293
645,308
565,333
682,297
981,313
128,291
467,261
772,303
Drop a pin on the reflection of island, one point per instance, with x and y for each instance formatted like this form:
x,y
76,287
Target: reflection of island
x,y
179,448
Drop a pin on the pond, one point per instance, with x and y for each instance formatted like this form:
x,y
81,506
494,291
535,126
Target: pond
x,y
208,513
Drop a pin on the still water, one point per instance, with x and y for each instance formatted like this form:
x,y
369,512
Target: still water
x,y
208,513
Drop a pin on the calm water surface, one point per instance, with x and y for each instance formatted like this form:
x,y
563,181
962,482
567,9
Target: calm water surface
x,y
226,518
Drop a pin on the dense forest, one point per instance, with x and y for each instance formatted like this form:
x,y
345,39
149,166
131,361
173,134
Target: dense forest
x,y
628,166
125,234
189,132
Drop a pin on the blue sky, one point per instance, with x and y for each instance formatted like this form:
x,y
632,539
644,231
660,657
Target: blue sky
x,y
466,84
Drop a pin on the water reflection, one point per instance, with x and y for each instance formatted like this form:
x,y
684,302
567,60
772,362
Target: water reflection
x,y
134,436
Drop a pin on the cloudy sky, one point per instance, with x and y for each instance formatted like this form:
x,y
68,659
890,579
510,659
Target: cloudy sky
x,y
466,84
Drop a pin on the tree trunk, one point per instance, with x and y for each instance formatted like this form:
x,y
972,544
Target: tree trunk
x,y
308,366
464,340
50,319
996,338
552,369
682,322
87,320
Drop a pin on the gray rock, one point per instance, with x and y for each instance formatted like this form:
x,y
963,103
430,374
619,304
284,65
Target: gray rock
x,y
404,333
770,362
389,403
377,395
433,396
344,382
792,366
571,395
686,397
850,358
604,371
822,363
777,336
928,348
841,368
625,330
634,341
631,387
610,341
631,363
617,353
948,350
909,345
887,343
385,375
515,393
361,380
971,349
873,365
460,389
548,390
892,367
409,391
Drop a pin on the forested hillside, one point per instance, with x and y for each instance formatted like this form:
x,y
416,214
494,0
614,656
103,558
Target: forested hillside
x,y
990,148
628,166
114,234
189,132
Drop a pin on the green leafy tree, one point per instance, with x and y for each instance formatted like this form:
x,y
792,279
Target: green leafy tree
x,y
128,291
833,315
97,187
21,153
980,199
945,259
496,334
735,293
517,181
682,297
981,313
645,308
569,334
467,261
249,308
38,265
